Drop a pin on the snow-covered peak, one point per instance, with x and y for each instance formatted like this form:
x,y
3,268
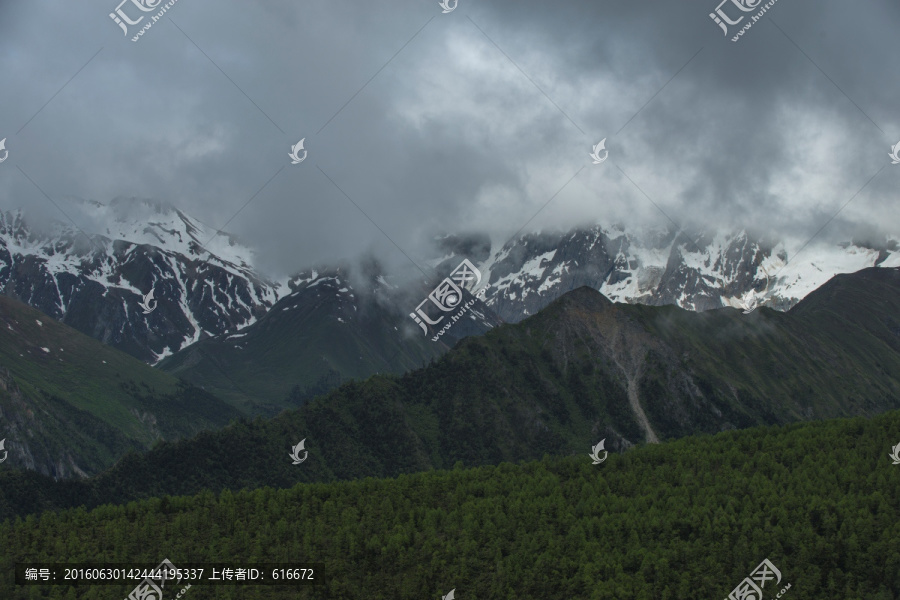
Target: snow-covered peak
x,y
661,266
94,279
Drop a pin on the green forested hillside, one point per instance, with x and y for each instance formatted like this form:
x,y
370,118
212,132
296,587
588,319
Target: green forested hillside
x,y
555,384
682,520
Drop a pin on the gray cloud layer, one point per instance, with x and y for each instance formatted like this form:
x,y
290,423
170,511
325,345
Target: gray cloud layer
x,y
450,135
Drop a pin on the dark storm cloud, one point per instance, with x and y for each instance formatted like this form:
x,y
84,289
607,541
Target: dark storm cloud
x,y
450,135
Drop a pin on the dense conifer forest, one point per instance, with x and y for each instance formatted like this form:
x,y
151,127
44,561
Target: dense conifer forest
x,y
685,519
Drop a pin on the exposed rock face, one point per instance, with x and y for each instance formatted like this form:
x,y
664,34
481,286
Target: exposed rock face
x,y
22,420
96,284
660,267
205,285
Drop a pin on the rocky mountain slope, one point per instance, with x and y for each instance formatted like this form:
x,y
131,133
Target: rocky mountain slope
x,y
582,370
71,406
320,334
288,340
207,288
96,284
659,267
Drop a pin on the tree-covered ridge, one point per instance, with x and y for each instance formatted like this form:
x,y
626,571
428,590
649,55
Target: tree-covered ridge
x,y
682,520
554,384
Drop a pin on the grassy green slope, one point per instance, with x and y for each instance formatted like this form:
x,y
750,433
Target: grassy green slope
x,y
686,519
67,396
74,357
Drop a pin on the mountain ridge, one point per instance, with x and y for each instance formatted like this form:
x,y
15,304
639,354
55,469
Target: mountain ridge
x,y
70,405
207,285
556,383
210,301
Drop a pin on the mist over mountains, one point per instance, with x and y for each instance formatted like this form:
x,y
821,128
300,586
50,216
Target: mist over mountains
x,y
451,252
207,285
95,283
662,266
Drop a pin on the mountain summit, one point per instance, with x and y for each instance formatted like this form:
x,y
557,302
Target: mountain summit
x,y
96,283
206,285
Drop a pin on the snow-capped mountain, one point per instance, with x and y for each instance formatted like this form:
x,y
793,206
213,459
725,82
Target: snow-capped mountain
x,y
657,267
205,283
95,282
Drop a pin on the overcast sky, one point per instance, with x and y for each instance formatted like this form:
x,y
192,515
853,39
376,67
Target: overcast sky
x,y
470,120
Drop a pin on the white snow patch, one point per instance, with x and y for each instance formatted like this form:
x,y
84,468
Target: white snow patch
x,y
892,261
166,352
